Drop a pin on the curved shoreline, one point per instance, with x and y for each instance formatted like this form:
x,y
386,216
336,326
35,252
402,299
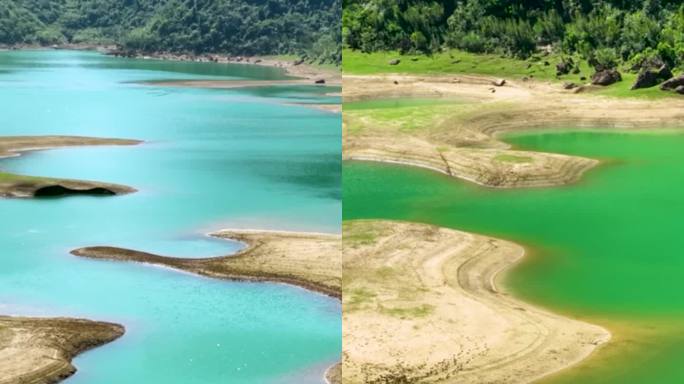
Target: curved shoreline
x,y
40,350
307,260
427,298
13,185
466,144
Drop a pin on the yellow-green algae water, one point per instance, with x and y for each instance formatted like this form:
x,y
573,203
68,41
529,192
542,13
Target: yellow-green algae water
x,y
609,249
211,159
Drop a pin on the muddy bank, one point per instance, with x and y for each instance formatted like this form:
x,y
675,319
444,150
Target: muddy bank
x,y
311,261
12,185
39,350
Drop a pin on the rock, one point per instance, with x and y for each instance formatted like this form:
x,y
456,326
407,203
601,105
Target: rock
x,y
396,82
394,62
606,77
569,85
646,63
257,61
499,82
525,78
680,89
299,62
319,81
492,90
650,77
673,83
565,66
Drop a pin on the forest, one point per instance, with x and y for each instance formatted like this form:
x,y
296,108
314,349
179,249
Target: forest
x,y
603,32
307,28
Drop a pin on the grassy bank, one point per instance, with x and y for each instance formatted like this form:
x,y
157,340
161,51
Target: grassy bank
x,y
461,62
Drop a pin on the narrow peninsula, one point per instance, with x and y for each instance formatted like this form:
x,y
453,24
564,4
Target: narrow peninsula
x,y
308,260
421,304
13,185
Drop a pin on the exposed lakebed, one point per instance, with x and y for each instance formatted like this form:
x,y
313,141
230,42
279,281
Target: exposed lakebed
x,y
212,159
606,249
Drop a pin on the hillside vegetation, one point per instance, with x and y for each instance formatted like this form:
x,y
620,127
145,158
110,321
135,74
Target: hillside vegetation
x,y
306,28
605,33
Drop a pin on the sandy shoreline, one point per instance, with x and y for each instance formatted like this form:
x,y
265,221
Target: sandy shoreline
x,y
12,185
420,304
40,350
465,142
307,260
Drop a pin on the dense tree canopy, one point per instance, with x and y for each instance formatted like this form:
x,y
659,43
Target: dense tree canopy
x,y
238,27
601,31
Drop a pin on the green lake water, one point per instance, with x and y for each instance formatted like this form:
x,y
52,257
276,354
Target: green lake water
x,y
212,159
609,249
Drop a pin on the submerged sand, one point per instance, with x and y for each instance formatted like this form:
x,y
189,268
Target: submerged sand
x,y
421,304
12,185
464,141
308,260
39,350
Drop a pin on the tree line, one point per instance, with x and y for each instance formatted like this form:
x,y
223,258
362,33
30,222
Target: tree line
x,y
308,28
604,32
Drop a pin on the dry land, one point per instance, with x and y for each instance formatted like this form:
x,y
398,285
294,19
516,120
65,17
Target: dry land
x,y
421,305
308,260
39,350
12,185
459,132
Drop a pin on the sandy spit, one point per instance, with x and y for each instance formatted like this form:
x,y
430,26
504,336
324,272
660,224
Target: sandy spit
x,y
421,304
308,260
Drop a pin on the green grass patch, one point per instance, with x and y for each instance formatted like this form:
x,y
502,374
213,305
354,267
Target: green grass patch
x,y
513,158
622,89
355,298
460,62
13,178
455,62
409,117
359,238
411,312
399,102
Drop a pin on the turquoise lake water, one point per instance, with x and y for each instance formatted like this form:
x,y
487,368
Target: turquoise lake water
x,y
212,159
